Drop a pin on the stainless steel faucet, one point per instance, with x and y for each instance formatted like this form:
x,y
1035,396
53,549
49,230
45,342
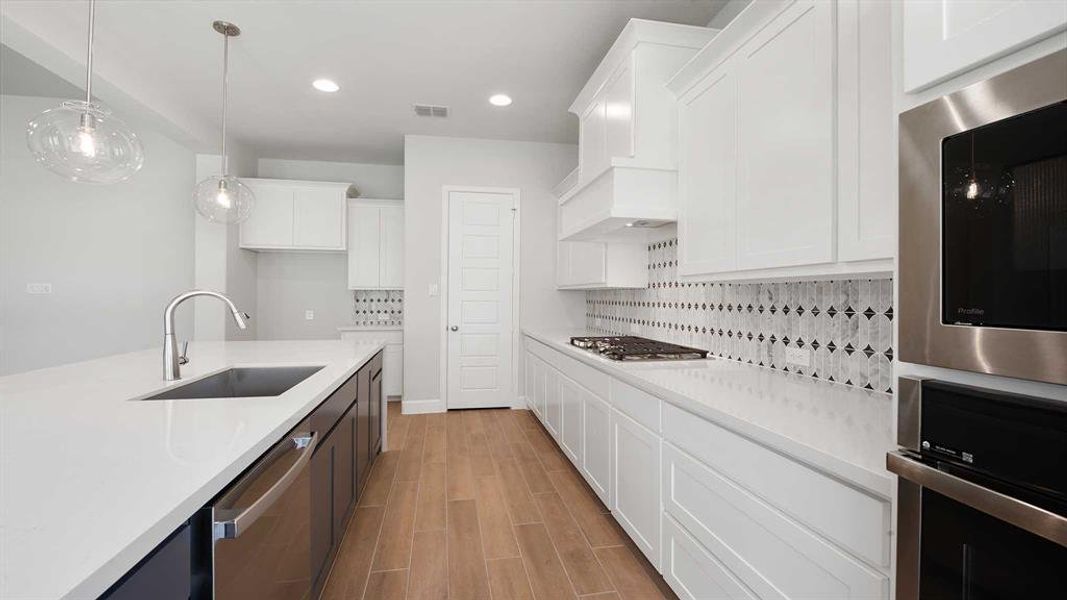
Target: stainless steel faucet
x,y
172,361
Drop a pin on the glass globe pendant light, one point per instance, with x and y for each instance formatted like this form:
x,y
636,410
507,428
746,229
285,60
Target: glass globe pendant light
x,y
223,198
82,141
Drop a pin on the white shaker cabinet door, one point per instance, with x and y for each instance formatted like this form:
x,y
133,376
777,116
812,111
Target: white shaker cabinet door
x,y
943,38
867,143
553,410
635,477
587,263
786,148
319,219
707,176
271,223
393,370
391,270
364,237
570,436
596,447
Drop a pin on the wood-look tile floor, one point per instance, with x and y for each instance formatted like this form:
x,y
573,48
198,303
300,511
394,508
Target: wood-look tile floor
x,y
481,504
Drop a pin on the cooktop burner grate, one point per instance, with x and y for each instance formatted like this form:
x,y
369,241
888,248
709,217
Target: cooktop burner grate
x,y
633,348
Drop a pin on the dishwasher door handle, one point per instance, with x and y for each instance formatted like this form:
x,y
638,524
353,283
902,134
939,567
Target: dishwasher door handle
x,y
233,527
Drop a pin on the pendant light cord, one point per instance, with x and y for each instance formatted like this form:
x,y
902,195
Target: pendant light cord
x,y
225,76
89,53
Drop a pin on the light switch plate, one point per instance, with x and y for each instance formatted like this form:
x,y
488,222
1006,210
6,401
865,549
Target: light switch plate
x,y
309,315
434,289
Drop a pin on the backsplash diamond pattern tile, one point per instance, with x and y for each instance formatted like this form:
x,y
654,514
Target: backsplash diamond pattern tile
x,y
844,328
373,308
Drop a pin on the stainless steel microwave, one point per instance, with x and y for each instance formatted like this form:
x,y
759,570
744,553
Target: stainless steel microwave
x,y
983,226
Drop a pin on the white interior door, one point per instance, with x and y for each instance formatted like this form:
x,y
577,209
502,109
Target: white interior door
x,y
480,298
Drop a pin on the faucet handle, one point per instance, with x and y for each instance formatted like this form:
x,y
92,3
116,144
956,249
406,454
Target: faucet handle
x,y
183,358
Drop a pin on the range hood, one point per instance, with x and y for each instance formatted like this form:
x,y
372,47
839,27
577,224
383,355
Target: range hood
x,y
627,178
619,205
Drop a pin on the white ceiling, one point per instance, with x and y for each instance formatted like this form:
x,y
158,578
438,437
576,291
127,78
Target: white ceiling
x,y
386,55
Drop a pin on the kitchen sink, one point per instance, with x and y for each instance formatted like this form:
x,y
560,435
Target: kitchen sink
x,y
240,382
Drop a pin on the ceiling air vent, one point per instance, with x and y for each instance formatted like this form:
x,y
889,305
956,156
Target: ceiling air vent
x,y
431,110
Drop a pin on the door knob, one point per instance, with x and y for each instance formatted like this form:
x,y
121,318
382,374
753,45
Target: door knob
x,y
454,328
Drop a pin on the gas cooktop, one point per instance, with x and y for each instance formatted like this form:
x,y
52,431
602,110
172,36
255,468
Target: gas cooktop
x,y
629,347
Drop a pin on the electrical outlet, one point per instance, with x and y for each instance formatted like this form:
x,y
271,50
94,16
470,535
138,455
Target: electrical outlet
x,y
309,315
38,288
800,357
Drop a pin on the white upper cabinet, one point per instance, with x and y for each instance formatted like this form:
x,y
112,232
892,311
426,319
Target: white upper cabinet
x,y
943,38
627,135
707,217
295,215
375,244
392,240
315,219
785,132
271,221
786,144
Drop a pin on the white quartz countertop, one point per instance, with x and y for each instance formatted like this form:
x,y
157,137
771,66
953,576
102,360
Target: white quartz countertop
x,y
839,429
91,480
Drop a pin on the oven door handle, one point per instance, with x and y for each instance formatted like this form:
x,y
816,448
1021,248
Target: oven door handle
x,y
1023,515
234,526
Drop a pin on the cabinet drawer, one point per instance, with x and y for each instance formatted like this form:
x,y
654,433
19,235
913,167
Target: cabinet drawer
x,y
586,376
770,552
693,572
856,521
638,404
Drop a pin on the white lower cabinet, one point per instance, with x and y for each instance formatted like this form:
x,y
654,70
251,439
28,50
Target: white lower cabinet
x,y
393,356
718,514
553,414
635,466
596,448
693,572
769,552
570,435
393,370
537,391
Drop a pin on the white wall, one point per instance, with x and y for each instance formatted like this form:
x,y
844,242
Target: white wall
x,y
373,181
114,255
220,264
432,162
290,283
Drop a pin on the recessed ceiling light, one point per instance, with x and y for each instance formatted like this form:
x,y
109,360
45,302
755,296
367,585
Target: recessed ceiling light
x,y
500,100
325,85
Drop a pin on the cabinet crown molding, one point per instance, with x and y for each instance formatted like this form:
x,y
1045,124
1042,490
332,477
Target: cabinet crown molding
x,y
748,23
636,32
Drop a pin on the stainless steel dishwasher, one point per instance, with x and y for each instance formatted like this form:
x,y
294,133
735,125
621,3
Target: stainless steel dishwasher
x,y
259,543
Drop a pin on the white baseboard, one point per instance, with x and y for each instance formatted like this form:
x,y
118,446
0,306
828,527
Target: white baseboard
x,y
520,403
418,407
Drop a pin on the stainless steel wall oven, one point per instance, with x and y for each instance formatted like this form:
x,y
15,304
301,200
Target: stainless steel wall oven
x,y
982,494
983,226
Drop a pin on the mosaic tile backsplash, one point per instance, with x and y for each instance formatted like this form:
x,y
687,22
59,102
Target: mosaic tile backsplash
x,y
378,308
845,326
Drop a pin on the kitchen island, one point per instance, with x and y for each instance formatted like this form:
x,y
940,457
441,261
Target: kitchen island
x,y
92,478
